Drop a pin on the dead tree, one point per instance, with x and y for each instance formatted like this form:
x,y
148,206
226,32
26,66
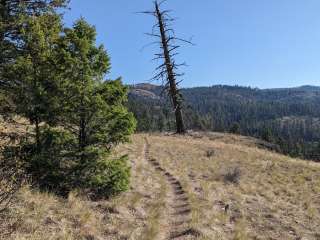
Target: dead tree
x,y
168,70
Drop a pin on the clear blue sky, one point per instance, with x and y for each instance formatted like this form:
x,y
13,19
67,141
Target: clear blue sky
x,y
259,43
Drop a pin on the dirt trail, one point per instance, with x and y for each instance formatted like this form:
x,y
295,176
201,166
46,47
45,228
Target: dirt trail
x,y
179,210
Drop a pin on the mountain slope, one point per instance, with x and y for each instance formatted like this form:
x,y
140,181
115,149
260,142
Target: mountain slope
x,y
258,113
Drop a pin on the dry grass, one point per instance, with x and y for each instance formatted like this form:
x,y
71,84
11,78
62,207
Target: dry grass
x,y
276,197
132,215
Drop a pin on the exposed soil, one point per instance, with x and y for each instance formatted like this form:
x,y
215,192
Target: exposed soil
x,y
179,210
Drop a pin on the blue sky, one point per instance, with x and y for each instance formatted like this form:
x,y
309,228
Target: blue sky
x,y
258,43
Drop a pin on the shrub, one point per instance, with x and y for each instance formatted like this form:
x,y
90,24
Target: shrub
x,y
232,175
210,153
57,167
105,177
12,176
235,128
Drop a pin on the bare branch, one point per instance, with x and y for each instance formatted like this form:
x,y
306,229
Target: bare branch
x,y
167,70
148,45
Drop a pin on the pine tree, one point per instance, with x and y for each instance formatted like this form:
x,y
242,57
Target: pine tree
x,y
85,66
93,111
56,81
13,16
34,71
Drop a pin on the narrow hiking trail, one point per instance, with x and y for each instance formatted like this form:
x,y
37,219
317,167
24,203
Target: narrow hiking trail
x,y
178,215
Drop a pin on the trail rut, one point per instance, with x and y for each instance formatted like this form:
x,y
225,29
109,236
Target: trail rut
x,y
179,209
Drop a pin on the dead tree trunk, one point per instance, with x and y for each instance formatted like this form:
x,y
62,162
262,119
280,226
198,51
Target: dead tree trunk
x,y
173,90
167,70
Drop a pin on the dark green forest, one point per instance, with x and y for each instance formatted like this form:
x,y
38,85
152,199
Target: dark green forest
x,y
286,117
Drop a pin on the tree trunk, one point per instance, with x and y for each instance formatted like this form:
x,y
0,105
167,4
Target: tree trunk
x,y
173,91
37,129
3,15
82,134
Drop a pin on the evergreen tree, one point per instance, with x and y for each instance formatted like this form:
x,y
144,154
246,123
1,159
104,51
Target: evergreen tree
x,y
34,70
13,17
93,117
77,117
95,106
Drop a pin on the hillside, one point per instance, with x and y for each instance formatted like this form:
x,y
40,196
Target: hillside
x,y
259,113
200,186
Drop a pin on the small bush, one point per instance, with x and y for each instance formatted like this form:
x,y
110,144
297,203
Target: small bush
x,y
12,177
210,153
232,176
235,128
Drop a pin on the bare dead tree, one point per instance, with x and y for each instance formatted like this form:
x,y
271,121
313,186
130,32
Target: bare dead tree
x,y
167,71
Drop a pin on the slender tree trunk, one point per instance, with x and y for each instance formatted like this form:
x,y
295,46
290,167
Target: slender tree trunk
x,y
174,93
37,129
3,16
82,134
82,130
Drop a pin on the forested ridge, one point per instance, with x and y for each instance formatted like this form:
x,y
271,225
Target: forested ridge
x,y
288,117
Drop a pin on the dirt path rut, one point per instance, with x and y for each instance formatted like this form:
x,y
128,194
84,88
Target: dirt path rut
x,y
179,210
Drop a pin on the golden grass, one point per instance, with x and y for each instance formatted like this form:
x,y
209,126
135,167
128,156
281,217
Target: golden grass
x,y
276,198
132,215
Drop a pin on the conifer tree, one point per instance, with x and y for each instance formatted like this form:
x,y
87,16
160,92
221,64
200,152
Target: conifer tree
x,y
13,17
34,71
55,78
92,104
92,110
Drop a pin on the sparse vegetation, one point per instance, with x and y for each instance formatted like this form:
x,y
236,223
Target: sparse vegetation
x,y
232,175
210,153
267,200
275,193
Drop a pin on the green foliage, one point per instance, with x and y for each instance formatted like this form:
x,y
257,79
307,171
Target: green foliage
x,y
34,93
96,106
235,128
58,167
51,167
13,17
266,134
110,176
55,79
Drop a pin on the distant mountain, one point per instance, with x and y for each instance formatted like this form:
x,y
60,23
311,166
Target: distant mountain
x,y
288,116
303,88
146,90
308,93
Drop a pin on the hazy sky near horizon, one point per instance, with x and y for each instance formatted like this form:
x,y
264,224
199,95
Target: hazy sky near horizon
x,y
258,43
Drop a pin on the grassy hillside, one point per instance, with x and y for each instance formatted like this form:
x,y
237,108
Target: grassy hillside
x,y
269,196
201,186
258,113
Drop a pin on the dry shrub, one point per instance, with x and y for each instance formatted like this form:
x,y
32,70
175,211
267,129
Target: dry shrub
x,y
12,176
232,175
210,153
